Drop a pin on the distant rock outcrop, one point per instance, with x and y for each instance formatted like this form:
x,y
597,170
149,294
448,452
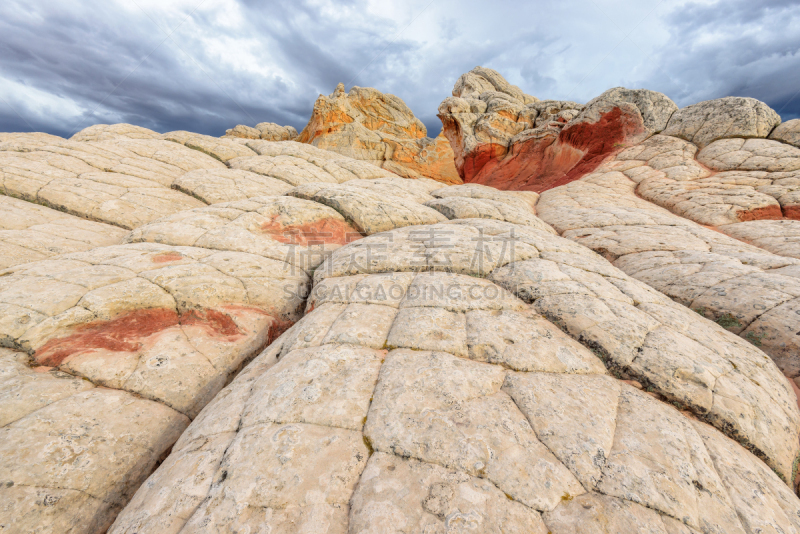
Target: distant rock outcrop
x,y
788,132
723,118
372,126
505,138
109,132
269,131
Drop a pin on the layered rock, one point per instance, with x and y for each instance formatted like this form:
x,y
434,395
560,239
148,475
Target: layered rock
x,y
268,131
779,237
222,149
123,182
368,125
504,138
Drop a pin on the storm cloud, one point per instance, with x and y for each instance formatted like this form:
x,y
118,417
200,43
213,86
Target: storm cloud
x,y
207,65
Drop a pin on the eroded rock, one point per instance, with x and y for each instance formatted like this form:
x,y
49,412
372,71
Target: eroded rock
x,y
502,140
368,125
787,132
110,132
269,131
732,116
477,373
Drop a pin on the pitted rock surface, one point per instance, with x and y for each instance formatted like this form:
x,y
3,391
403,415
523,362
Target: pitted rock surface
x,y
368,125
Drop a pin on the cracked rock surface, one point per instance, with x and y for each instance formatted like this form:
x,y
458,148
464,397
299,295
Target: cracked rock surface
x,y
597,333
412,399
747,283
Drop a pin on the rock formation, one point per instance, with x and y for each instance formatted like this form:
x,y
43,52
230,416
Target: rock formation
x,y
234,334
268,131
507,139
368,125
787,132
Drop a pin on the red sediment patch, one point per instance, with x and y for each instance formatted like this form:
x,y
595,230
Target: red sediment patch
x,y
128,332
599,140
715,229
219,323
122,334
475,162
792,212
278,327
758,214
321,232
512,172
543,163
166,257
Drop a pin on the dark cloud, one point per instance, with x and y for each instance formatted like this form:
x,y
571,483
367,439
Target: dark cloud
x,y
736,47
207,67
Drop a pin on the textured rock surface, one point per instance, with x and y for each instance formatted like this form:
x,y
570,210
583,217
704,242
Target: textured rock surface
x,y
292,340
285,229
116,348
71,465
520,199
110,132
481,208
762,166
787,132
779,237
732,116
29,232
368,125
269,131
298,163
123,182
414,400
222,149
368,211
167,323
509,140
746,289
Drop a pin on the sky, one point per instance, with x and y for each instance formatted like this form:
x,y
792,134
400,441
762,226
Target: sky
x,y
208,65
